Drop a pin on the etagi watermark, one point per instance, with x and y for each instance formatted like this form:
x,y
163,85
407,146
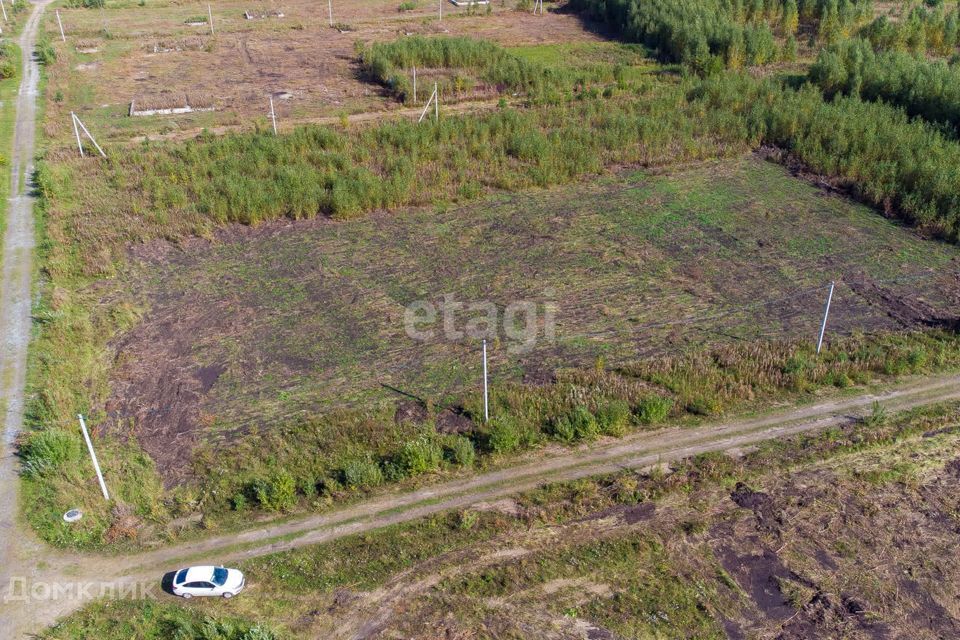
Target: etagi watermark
x,y
22,589
523,323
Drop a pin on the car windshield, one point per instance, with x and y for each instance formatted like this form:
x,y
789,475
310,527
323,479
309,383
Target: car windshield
x,y
219,576
181,576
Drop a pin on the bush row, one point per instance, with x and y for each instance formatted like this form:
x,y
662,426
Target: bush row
x,y
709,35
923,30
359,468
928,89
391,63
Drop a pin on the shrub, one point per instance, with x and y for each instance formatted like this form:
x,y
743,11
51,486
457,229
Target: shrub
x,y
419,456
613,418
276,493
409,5
461,452
49,449
503,435
46,54
653,410
362,474
578,424
928,89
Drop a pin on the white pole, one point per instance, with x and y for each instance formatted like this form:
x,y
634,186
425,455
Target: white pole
x,y
76,132
93,456
92,139
486,394
436,102
210,19
441,10
414,84
330,10
826,312
426,107
273,116
4,10
60,24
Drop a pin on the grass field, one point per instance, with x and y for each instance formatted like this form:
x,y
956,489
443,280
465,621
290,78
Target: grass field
x,y
714,546
287,319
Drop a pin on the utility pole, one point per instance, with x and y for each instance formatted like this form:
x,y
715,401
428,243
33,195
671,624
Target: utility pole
x,y
93,456
486,393
826,314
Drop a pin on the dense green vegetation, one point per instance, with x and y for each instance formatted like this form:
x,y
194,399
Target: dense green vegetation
x,y
150,620
928,89
8,60
922,30
391,64
709,35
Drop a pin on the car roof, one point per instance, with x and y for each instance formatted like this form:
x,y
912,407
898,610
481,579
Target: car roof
x,y
195,574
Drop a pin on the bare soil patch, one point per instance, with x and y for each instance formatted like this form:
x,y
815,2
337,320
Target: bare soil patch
x,y
150,53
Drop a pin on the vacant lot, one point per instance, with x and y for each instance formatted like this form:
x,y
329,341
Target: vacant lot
x,y
150,56
261,326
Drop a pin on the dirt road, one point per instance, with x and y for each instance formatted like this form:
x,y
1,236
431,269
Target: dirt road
x,y
15,294
81,578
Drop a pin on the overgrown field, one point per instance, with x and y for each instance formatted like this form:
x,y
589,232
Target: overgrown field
x,y
299,320
771,543
249,340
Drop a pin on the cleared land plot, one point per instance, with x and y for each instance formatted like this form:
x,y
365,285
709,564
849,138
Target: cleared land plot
x,y
264,325
152,56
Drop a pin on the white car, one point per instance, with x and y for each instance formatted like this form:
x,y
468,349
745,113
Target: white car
x,y
208,581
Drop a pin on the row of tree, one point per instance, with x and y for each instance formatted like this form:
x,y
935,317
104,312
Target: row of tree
x,y
923,88
922,30
709,35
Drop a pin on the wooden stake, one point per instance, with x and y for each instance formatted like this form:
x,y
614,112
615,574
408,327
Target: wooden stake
x,y
330,10
414,84
210,19
426,108
4,10
273,116
77,121
76,132
60,24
